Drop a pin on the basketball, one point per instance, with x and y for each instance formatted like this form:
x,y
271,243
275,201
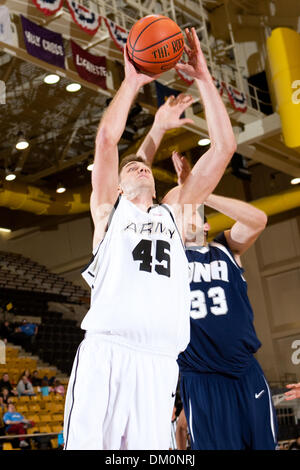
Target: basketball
x,y
155,44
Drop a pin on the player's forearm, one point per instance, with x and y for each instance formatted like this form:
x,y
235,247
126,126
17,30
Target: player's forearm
x,y
205,176
238,210
151,143
114,119
210,168
218,122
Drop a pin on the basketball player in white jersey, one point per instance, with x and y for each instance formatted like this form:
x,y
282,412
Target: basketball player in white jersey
x,y
123,382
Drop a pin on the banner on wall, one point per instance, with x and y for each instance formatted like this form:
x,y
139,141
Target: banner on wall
x,y
5,25
43,44
163,92
87,20
119,35
48,7
219,85
89,67
237,99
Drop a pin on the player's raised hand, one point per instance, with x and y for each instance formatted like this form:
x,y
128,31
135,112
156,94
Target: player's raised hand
x,y
294,391
182,167
133,76
196,66
168,115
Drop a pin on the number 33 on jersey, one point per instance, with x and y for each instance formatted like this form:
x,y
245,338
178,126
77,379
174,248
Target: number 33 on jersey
x,y
223,337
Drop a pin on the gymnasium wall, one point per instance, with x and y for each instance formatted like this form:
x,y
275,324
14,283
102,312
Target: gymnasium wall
x,y
272,270
64,251
273,275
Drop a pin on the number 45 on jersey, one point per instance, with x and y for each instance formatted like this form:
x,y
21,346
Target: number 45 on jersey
x,y
161,264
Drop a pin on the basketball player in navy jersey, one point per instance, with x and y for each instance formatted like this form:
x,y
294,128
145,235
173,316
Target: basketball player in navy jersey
x,y
227,401
125,370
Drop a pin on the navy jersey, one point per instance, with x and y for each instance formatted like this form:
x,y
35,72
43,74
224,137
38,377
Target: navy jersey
x,y
223,339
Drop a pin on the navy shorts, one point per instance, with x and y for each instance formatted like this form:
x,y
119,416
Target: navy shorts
x,y
226,413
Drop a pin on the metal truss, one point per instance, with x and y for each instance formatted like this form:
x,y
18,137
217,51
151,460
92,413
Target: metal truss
x,y
222,56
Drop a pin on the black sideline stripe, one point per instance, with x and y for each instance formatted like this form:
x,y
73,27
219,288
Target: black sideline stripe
x,y
174,222
107,227
73,389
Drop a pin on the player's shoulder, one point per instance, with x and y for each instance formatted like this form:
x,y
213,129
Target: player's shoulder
x,y
220,244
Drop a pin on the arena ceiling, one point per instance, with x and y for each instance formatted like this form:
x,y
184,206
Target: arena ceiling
x,y
61,126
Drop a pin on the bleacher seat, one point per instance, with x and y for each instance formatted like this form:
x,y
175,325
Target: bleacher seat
x,y
45,418
29,287
24,398
21,408
45,428
35,407
7,446
33,416
15,269
54,442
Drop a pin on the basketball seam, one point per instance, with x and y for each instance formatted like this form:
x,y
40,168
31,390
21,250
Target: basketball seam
x,y
156,61
141,32
134,50
130,45
155,44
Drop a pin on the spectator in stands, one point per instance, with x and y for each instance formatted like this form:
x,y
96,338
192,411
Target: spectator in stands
x,y
35,380
2,407
5,382
29,329
51,380
44,388
6,395
60,440
25,387
294,391
6,331
58,387
27,373
15,423
25,334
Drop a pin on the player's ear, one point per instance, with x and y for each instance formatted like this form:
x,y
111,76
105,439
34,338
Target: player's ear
x,y
206,227
120,190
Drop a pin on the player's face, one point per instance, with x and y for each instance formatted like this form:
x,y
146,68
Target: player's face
x,y
136,176
196,230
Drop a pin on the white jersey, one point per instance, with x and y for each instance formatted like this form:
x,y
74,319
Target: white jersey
x,y
139,280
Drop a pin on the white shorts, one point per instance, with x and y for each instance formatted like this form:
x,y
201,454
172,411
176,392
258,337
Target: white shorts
x,y
119,397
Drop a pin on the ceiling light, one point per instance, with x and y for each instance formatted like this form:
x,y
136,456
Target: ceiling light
x,y
295,180
51,79
5,230
10,176
203,142
90,166
72,87
60,188
22,143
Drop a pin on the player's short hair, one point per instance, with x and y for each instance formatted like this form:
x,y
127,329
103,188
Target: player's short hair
x,y
131,158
